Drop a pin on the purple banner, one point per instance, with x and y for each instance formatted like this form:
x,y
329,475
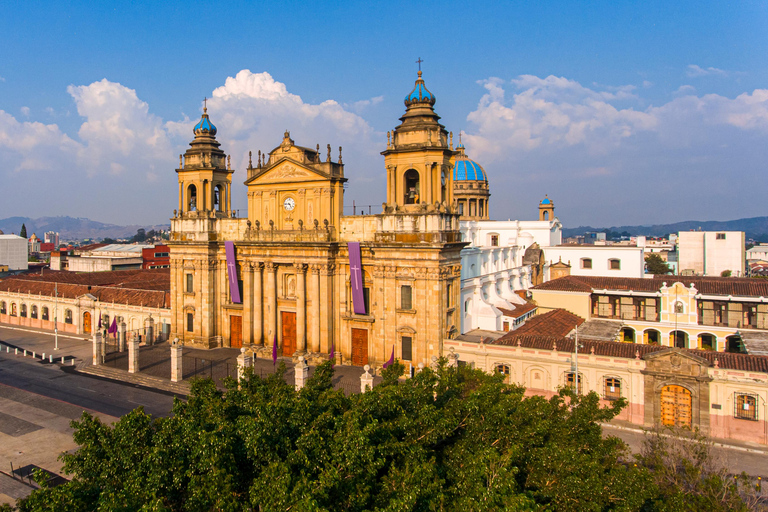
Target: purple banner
x,y
356,278
234,289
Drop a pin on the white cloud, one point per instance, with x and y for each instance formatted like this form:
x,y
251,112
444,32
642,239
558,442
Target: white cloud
x,y
695,71
24,111
685,90
33,146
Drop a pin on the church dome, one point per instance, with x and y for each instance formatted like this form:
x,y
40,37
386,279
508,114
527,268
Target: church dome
x,y
468,170
546,201
419,94
205,126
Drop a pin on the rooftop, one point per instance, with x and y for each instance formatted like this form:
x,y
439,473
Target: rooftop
x,y
738,286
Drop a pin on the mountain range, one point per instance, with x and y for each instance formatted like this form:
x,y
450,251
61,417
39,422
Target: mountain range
x,y
71,228
754,227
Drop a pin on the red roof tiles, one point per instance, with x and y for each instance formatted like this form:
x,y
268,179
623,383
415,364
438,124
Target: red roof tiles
x,y
555,323
740,286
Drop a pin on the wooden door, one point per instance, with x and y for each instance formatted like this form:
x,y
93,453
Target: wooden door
x,y
235,331
675,406
288,320
359,347
86,323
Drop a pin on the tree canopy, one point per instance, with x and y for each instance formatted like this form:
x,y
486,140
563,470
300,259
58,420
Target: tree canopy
x,y
447,439
654,264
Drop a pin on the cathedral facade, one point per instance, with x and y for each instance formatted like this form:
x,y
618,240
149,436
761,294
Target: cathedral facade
x,y
299,273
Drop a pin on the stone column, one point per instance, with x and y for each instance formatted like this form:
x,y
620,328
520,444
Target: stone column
x,y
315,338
301,371
248,304
121,337
301,308
244,360
366,380
133,356
176,369
98,357
258,308
271,269
150,332
326,274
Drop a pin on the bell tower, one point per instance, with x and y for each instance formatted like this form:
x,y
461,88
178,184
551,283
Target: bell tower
x,y
418,156
205,175
546,209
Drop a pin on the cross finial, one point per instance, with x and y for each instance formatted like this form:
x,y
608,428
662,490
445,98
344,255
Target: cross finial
x,y
419,63
205,105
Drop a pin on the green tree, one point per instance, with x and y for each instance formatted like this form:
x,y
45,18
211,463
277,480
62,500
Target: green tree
x,y
447,439
655,265
23,232
725,273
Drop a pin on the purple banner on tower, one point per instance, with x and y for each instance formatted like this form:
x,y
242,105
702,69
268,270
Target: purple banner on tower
x,y
356,278
234,289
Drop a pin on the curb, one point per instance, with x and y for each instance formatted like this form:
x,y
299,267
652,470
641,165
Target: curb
x,y
714,443
13,328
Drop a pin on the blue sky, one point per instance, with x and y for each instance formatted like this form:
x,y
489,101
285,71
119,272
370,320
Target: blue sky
x,y
623,113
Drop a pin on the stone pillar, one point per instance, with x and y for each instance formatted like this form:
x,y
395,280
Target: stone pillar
x,y
176,369
301,371
98,356
453,358
326,274
248,304
366,380
271,269
258,316
133,356
150,332
244,360
121,337
315,338
301,308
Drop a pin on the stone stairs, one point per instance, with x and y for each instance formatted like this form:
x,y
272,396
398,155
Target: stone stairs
x,y
179,388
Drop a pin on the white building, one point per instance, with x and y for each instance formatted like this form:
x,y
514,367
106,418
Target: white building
x,y
107,258
13,252
710,253
758,253
599,260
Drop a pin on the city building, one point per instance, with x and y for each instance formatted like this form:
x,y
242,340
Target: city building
x,y
707,313
599,260
298,273
104,258
14,252
470,187
52,237
710,253
156,257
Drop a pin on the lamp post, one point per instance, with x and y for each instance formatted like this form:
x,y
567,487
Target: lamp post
x,y
56,316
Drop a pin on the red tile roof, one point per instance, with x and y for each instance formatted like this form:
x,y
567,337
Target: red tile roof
x,y
740,286
519,310
556,323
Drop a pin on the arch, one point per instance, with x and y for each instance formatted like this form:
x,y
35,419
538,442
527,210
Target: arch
x,y
611,387
569,381
67,316
192,198
537,378
33,313
44,315
676,406
628,335
734,344
505,370
13,309
411,187
545,215
3,308
679,307
218,198
23,310
707,341
678,339
651,336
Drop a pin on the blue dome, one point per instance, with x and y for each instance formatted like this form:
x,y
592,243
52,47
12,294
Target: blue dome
x,y
205,126
420,94
546,201
466,170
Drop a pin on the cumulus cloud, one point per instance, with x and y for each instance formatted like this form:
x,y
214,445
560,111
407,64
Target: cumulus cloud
x,y
696,71
24,111
33,146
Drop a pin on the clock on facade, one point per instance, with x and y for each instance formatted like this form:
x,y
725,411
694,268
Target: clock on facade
x,y
289,204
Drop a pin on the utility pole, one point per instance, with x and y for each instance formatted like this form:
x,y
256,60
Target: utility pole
x,y
56,316
576,345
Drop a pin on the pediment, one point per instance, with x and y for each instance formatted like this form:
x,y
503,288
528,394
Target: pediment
x,y
675,357
87,296
287,170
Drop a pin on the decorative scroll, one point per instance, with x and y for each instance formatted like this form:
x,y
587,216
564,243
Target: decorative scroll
x,y
356,278
234,289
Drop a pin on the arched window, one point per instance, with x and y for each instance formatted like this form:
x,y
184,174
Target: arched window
x,y
411,188
546,215
24,310
217,201
13,309
45,313
504,370
2,308
586,263
570,381
192,198
34,312
707,341
678,339
612,388
652,337
628,334
614,264
68,316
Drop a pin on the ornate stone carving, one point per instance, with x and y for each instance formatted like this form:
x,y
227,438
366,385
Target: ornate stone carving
x,y
289,171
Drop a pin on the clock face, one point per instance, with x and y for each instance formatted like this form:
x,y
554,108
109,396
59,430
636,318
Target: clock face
x,y
289,204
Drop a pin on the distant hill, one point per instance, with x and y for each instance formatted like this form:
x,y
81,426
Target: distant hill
x,y
755,227
71,227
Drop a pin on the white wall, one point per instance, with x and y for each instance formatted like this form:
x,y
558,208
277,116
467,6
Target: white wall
x,y
631,259
13,252
709,253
